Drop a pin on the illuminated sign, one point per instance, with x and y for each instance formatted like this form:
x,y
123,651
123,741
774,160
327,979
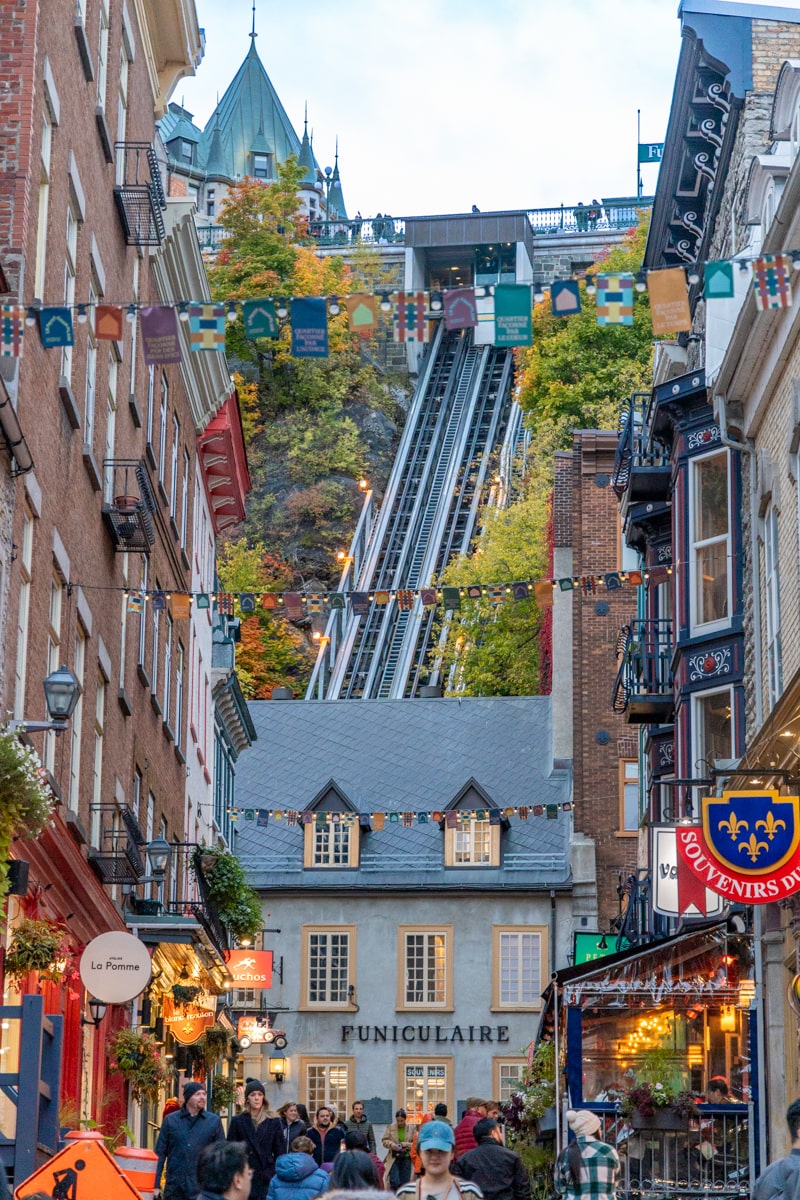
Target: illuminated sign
x,y
251,968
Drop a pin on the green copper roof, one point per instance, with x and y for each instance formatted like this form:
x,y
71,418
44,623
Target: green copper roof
x,y
336,207
248,119
306,159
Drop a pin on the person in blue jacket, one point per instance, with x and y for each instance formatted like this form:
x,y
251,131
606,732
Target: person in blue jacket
x,y
297,1176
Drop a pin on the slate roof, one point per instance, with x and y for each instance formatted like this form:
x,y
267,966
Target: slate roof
x,y
403,756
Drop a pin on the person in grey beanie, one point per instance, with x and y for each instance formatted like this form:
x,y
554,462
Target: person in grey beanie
x,y
262,1133
183,1135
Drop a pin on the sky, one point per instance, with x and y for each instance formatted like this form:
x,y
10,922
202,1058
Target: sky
x,y
442,104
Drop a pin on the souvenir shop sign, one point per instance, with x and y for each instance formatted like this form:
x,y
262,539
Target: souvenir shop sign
x,y
746,847
251,969
670,883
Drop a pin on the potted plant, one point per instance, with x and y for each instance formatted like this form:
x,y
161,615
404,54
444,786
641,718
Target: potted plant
x,y
184,994
26,801
223,1092
526,1111
37,946
237,904
137,1058
658,1106
212,1046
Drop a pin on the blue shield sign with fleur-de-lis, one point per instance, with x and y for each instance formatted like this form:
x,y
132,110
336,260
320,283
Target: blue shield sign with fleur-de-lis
x,y
753,833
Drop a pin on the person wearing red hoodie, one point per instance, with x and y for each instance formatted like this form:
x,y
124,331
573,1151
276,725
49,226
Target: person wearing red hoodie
x,y
465,1138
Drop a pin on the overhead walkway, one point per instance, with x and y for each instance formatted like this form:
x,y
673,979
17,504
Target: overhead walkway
x,y
449,455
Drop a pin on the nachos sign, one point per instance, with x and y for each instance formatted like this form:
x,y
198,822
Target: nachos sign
x,y
746,847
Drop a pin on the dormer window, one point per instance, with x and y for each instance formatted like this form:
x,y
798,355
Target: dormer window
x,y
332,844
472,844
472,827
187,152
261,166
332,832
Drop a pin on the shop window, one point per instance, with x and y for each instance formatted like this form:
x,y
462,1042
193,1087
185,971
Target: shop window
x,y
710,543
628,796
519,957
425,967
773,605
507,1076
472,843
325,1080
327,966
422,1084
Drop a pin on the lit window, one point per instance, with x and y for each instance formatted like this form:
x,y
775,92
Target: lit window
x,y
423,1084
472,843
629,795
425,967
334,844
519,959
328,965
327,1081
710,541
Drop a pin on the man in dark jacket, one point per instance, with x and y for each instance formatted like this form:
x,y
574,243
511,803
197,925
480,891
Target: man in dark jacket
x,y
327,1134
223,1170
498,1172
184,1134
360,1123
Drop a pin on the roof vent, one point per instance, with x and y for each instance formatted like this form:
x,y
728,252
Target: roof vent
x,y
282,694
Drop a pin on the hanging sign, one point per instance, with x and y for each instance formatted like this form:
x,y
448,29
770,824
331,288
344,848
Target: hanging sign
x,y
746,847
115,967
251,969
650,152
670,885
189,1023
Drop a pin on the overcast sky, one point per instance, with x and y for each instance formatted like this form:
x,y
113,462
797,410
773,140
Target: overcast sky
x,y
442,104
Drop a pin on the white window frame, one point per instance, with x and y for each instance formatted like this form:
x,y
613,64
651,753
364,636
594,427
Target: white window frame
x,y
328,966
332,1084
331,845
508,1074
185,498
628,779
151,395
111,425
70,273
179,663
142,647
45,155
76,721
162,433
472,843
696,545
422,1083
91,375
97,760
55,616
176,446
168,665
154,656
102,56
425,968
516,986
772,605
700,750
23,613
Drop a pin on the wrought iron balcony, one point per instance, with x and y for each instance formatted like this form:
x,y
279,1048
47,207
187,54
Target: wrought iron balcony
x,y
130,505
118,857
139,194
643,690
642,467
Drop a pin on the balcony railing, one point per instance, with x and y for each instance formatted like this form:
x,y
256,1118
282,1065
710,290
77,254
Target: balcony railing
x,y
139,194
642,467
643,690
129,505
701,1156
609,214
118,856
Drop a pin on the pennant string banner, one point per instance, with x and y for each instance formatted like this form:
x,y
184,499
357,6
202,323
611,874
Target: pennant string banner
x,y
453,819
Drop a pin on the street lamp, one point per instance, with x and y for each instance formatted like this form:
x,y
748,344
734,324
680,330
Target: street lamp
x,y
98,1010
277,1067
158,856
61,692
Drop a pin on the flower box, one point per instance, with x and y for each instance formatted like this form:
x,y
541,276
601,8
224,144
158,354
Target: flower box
x,y
661,1118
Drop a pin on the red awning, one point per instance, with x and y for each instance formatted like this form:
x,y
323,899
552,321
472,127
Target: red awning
x,y
223,462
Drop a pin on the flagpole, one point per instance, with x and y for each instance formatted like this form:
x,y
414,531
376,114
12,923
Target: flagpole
x,y
638,163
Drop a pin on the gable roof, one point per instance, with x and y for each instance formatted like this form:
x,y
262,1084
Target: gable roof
x,y
398,756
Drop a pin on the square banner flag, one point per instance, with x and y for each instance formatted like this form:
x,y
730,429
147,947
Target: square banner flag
x,y
410,320
309,327
207,327
512,314
615,299
771,281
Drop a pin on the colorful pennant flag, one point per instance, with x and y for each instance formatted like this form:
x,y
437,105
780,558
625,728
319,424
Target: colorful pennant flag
x,y
615,299
428,597
382,598
460,310
269,600
771,281
55,327
12,328
451,598
405,600
565,297
337,600
260,319
359,602
520,591
309,327
669,301
543,593
207,327
362,313
293,603
410,322
181,606
512,315
203,600
612,581
247,602
719,280
158,601
108,323
225,603
135,602
159,328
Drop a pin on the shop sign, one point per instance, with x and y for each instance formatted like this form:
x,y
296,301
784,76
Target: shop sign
x,y
257,1029
746,848
669,898
115,967
589,946
425,1033
190,1024
251,969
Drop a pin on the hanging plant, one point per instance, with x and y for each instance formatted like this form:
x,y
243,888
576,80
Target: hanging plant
x,y
182,994
212,1046
237,904
223,1092
26,801
37,946
137,1058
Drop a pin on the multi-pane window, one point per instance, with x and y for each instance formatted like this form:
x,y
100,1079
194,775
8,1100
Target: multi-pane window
x,y
53,653
179,694
111,426
424,1085
176,446
151,392
142,615
102,56
76,722
518,967
136,792
327,1082
710,554
713,727
44,201
261,166
91,376
97,769
162,437
629,795
472,843
328,962
509,1076
332,844
154,658
425,967
23,614
122,108
70,271
168,666
185,499
211,202
773,605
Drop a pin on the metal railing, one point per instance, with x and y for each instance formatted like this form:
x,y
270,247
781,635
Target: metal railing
x,y
587,218
139,194
644,654
636,449
693,1157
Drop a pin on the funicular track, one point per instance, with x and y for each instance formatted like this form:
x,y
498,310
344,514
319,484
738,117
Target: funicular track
x,y
457,418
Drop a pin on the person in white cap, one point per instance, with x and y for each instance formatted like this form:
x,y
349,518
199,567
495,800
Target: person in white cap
x,y
586,1169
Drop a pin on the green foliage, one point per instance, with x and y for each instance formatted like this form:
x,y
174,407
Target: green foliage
x,y
212,1046
37,946
223,1092
237,904
26,802
137,1057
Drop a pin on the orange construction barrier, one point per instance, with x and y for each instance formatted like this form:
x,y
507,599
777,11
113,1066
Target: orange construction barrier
x,y
139,1166
83,1170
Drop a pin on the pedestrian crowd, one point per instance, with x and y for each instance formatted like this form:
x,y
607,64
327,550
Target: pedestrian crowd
x,y
285,1155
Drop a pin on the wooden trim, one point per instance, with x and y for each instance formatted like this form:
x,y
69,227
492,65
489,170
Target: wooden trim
x,y
353,846
494,848
544,958
337,1060
621,830
305,1004
437,1060
500,1061
449,967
